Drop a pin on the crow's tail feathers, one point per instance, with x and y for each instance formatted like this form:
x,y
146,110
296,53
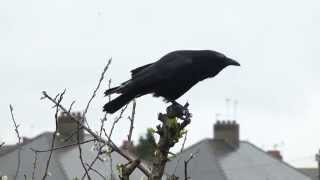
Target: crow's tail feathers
x,y
117,103
111,91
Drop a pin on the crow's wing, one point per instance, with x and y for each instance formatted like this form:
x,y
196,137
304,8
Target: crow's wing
x,y
138,69
145,79
165,69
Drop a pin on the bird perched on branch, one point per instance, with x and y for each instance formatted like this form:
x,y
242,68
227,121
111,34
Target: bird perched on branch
x,y
170,77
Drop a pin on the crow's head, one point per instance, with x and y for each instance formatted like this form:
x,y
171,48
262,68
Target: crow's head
x,y
210,63
221,59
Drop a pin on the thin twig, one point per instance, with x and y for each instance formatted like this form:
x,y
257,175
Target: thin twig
x,y
131,118
94,160
70,107
71,135
186,162
97,137
111,167
85,112
34,165
61,147
96,171
103,120
91,164
100,146
80,153
184,141
54,134
16,126
117,119
98,86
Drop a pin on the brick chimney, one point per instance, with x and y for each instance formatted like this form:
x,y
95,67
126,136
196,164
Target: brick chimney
x,y
67,128
227,131
127,146
276,154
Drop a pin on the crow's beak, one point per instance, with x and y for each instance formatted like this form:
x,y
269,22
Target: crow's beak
x,y
232,62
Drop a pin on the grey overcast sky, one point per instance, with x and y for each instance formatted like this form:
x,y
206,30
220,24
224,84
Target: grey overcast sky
x,y
52,45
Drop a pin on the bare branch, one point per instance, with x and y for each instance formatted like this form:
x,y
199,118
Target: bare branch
x,y
98,86
61,147
100,146
34,165
71,135
16,126
103,120
117,119
96,171
84,115
184,141
91,165
97,137
57,105
111,167
170,132
131,118
178,161
70,107
127,169
80,153
192,155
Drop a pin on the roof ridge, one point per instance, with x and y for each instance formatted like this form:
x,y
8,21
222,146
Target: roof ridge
x,y
16,146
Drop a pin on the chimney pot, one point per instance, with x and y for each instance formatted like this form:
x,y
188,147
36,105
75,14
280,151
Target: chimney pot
x,y
276,154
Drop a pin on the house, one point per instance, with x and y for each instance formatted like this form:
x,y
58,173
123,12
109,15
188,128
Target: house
x,y
225,157
65,163
313,173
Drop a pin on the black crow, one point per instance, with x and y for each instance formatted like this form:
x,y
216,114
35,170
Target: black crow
x,y
170,77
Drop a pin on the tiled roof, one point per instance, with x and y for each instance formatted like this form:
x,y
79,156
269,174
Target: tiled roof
x,y
65,163
218,160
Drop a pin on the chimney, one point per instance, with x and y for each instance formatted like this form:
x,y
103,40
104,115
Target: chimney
x,y
67,128
276,154
127,146
227,131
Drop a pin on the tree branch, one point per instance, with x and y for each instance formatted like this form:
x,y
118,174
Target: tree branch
x,y
131,118
34,165
16,126
98,86
61,147
117,119
192,155
54,134
170,132
97,137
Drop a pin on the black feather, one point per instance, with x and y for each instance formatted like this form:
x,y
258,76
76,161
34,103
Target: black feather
x,y
170,77
117,103
110,91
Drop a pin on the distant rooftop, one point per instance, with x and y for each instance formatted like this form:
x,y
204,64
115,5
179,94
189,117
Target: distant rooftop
x,y
64,165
